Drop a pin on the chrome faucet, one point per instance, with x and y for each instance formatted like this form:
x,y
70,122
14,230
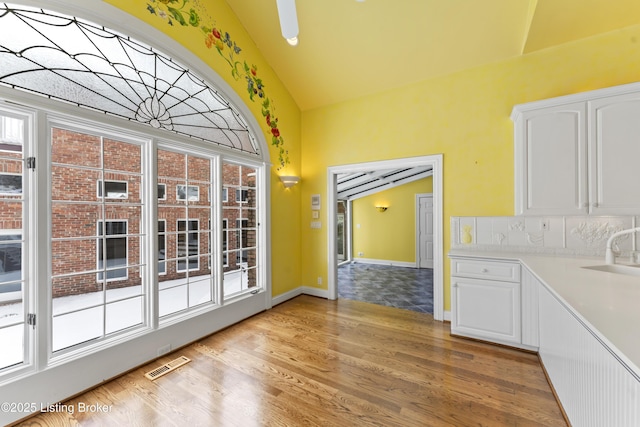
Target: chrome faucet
x,y
610,254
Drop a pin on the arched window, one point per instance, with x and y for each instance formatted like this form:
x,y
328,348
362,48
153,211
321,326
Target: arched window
x,y
85,64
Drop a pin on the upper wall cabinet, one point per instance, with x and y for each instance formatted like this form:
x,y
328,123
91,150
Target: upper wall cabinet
x,y
579,154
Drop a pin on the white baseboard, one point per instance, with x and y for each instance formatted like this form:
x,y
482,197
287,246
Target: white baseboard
x,y
385,262
447,316
306,290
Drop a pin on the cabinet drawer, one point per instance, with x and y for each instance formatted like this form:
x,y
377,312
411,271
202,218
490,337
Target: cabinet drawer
x,y
480,269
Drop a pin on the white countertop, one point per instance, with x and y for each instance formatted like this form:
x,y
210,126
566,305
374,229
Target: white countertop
x,y
608,303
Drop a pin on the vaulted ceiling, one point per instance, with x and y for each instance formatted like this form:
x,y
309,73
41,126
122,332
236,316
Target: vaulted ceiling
x,y
351,48
351,186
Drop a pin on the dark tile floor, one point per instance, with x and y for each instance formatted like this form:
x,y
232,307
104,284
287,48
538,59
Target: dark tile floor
x,y
401,287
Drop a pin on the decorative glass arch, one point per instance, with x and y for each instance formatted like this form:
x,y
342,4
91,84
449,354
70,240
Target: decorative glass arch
x,y
75,61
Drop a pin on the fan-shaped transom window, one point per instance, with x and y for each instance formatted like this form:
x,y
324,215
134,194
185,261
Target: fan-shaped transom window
x,y
85,64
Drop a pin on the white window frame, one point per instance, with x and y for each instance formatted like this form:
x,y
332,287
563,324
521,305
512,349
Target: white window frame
x,y
100,237
99,189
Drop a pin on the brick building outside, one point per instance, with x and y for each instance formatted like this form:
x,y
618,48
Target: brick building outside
x,y
97,214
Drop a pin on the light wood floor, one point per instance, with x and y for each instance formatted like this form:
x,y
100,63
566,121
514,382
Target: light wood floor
x,y
313,362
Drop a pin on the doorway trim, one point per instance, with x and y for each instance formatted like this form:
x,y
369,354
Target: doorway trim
x,y
435,161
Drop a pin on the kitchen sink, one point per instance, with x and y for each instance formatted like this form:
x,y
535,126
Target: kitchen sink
x,y
629,270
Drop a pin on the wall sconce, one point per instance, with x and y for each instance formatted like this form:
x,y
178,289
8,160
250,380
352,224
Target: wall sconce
x,y
288,20
382,208
289,181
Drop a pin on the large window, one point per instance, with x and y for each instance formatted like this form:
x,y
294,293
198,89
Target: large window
x,y
134,147
97,274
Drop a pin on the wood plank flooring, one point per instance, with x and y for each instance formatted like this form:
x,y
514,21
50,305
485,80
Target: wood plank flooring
x,y
314,362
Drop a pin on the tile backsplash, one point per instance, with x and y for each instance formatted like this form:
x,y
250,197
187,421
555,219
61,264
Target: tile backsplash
x,y
562,235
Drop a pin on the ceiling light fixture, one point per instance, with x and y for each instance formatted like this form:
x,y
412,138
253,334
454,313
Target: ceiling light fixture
x,y
288,20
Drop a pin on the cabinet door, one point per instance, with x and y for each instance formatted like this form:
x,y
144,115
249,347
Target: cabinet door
x,y
614,138
486,309
550,161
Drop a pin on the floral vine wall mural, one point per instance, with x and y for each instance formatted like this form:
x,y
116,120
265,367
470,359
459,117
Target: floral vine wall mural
x,y
184,13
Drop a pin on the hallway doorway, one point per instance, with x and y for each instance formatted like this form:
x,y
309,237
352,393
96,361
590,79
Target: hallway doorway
x,y
435,163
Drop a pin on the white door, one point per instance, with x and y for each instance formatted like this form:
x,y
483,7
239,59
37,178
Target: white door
x,y
425,231
15,334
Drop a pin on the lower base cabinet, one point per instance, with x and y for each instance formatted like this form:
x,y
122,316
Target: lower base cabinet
x,y
494,301
505,303
486,309
594,386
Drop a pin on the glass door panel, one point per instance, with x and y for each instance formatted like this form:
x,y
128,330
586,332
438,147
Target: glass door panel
x,y
13,330
184,218
239,220
96,203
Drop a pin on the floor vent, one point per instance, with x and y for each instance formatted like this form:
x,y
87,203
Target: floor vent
x,y
167,367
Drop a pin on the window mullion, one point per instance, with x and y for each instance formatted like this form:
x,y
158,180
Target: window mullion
x,y
39,239
217,263
103,239
151,242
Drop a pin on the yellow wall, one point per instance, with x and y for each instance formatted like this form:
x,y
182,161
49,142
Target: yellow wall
x,y
465,116
285,204
390,235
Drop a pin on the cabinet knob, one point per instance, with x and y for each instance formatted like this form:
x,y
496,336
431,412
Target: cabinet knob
x,y
484,270
595,205
454,285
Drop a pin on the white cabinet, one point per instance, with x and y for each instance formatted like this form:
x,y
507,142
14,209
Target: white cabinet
x,y
594,386
504,302
551,160
614,138
578,154
485,300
